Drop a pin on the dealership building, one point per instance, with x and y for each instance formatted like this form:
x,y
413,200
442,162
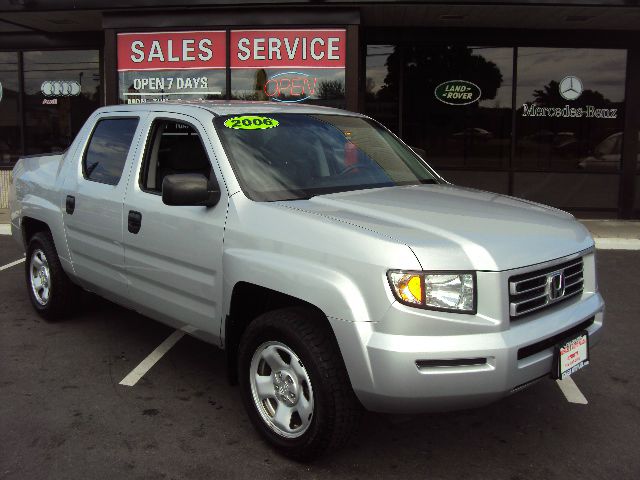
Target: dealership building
x,y
536,99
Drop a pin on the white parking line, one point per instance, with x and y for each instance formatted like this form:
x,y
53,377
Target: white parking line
x,y
571,391
137,373
5,229
12,264
617,243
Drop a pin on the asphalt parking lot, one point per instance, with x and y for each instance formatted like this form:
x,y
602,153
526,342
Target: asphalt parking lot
x,y
63,414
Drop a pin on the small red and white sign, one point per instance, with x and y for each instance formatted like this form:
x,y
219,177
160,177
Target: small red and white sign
x,y
288,48
573,355
171,50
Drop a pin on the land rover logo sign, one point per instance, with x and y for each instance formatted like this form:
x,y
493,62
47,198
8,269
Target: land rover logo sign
x,y
458,92
60,88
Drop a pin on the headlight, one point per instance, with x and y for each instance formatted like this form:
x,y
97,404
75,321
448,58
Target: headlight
x,y
448,291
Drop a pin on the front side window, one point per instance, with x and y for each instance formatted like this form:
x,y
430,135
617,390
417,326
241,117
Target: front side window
x,y
174,148
108,149
295,156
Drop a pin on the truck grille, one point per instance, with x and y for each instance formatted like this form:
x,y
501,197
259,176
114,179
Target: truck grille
x,y
542,288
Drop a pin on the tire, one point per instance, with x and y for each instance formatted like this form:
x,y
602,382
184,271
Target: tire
x,y
318,384
50,290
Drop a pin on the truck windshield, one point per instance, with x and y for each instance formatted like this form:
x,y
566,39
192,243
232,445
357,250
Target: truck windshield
x,y
292,156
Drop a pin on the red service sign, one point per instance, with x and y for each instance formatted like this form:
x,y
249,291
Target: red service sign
x,y
288,48
171,50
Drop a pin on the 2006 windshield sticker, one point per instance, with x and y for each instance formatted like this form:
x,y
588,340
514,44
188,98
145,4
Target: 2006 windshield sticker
x,y
251,122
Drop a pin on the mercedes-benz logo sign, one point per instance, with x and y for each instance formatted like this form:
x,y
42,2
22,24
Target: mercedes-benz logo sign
x,y
570,87
60,88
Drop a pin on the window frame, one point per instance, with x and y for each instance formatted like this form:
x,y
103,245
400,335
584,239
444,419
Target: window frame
x,y
83,162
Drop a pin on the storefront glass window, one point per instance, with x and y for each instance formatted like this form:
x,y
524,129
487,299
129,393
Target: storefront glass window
x,y
321,87
9,109
570,121
381,102
170,85
62,88
454,102
162,66
457,105
290,66
570,109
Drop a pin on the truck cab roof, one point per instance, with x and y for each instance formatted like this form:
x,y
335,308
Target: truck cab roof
x,y
227,107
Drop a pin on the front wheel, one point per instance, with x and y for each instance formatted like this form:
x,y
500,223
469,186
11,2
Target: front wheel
x,y
294,384
50,290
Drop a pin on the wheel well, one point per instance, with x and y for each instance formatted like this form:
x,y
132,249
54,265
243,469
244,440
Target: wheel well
x,y
248,301
31,226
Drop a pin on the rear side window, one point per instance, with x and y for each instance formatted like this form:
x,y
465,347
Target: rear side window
x,y
108,149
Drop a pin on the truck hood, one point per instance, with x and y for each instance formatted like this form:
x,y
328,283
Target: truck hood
x,y
453,228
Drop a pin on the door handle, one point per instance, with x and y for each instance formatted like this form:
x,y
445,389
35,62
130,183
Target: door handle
x,y
134,222
71,204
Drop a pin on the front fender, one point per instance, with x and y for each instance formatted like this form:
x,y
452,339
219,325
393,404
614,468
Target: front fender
x,y
335,294
332,292
46,211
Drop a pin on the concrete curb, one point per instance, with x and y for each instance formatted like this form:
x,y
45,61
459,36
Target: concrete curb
x,y
617,243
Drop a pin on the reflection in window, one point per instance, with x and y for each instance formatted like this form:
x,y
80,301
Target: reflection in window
x,y
307,155
108,149
9,114
62,88
476,134
570,109
381,102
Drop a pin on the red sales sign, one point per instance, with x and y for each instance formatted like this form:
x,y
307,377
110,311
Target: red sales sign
x,y
171,50
288,48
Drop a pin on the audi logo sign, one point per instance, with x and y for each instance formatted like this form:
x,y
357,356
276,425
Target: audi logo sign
x,y
60,88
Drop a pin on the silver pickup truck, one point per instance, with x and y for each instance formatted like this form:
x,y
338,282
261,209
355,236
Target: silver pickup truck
x,y
333,265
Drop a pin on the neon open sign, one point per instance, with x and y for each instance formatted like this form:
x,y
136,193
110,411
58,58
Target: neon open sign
x,y
290,87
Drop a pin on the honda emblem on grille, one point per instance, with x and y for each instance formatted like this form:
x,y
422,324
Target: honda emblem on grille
x,y
555,282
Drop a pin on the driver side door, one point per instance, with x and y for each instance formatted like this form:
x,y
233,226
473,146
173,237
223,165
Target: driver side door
x,y
173,254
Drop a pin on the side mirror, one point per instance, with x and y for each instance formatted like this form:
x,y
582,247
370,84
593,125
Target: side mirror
x,y
189,189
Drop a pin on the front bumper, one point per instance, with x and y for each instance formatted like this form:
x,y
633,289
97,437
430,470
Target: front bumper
x,y
385,375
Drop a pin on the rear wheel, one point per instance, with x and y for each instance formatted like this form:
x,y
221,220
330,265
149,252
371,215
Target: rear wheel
x,y
294,384
50,290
